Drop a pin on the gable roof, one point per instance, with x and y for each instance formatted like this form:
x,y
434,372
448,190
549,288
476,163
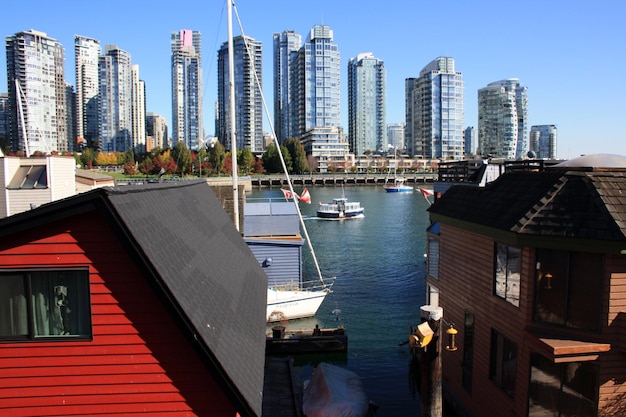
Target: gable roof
x,y
578,204
180,233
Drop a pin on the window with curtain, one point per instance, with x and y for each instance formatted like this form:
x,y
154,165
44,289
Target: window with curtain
x,y
433,257
50,303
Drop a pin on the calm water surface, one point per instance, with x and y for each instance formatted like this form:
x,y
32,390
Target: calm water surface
x,y
378,262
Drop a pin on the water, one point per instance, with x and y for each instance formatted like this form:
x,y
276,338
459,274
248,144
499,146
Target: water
x,y
378,262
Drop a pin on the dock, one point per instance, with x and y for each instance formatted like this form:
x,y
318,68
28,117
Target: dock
x,y
302,341
282,394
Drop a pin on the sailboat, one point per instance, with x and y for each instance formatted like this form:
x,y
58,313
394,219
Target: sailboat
x,y
398,185
291,298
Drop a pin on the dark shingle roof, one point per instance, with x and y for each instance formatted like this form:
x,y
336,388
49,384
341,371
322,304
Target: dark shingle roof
x,y
589,205
183,235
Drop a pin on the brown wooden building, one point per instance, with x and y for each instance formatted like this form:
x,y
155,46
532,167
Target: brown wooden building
x,y
128,301
531,270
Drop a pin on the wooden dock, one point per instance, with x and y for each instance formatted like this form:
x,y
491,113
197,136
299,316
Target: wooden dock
x,y
282,393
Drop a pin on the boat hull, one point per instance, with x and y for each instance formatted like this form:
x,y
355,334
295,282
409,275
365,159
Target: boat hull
x,y
340,215
399,189
293,304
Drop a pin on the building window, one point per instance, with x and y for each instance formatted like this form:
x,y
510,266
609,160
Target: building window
x,y
38,304
568,290
468,351
507,273
503,362
562,389
433,257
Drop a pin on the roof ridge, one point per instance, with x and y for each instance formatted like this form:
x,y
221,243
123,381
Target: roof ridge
x,y
536,209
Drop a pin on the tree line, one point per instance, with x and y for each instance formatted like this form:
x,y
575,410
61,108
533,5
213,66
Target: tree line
x,y
208,161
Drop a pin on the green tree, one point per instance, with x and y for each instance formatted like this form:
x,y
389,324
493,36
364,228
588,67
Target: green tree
x,y
181,156
87,157
217,156
298,155
245,160
270,159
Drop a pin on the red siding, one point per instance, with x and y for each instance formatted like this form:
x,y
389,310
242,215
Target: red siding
x,y
138,362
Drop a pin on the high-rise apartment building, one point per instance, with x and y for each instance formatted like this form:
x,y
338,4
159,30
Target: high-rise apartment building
x,y
469,140
367,121
316,97
4,118
502,119
247,57
115,100
138,111
156,131
87,52
410,91
36,82
286,46
70,118
436,106
187,113
395,137
543,141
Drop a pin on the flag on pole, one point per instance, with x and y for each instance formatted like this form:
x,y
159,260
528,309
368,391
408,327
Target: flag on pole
x,y
426,193
305,196
287,194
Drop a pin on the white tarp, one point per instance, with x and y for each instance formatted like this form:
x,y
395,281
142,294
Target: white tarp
x,y
334,392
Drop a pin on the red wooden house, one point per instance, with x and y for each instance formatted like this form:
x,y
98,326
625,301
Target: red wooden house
x,y
531,270
127,301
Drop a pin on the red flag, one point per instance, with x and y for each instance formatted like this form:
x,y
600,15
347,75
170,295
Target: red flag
x,y
287,193
305,196
426,193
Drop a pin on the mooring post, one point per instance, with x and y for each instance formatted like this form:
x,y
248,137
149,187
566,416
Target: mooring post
x,y
431,392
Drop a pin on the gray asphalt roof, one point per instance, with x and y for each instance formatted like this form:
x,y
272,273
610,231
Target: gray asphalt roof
x,y
202,264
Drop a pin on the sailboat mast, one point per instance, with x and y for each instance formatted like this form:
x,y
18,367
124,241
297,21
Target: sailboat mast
x,y
231,102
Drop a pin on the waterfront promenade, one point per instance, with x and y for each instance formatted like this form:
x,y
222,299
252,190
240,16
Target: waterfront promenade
x,y
320,180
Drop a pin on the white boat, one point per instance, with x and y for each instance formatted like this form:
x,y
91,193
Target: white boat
x,y
340,208
285,303
299,299
272,232
398,185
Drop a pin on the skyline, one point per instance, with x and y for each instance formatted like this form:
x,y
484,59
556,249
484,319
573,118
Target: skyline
x,y
565,53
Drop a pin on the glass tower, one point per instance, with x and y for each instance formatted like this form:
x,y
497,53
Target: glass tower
x,y
87,51
316,83
502,119
36,77
138,111
395,137
115,102
543,141
436,103
367,130
248,101
187,118
286,45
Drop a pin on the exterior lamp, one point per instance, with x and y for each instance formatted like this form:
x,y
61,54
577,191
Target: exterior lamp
x,y
452,336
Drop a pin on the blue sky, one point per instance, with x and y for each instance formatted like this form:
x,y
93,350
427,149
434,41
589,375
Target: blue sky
x,y
570,54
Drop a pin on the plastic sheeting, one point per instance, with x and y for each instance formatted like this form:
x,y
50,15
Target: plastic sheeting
x,y
334,392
